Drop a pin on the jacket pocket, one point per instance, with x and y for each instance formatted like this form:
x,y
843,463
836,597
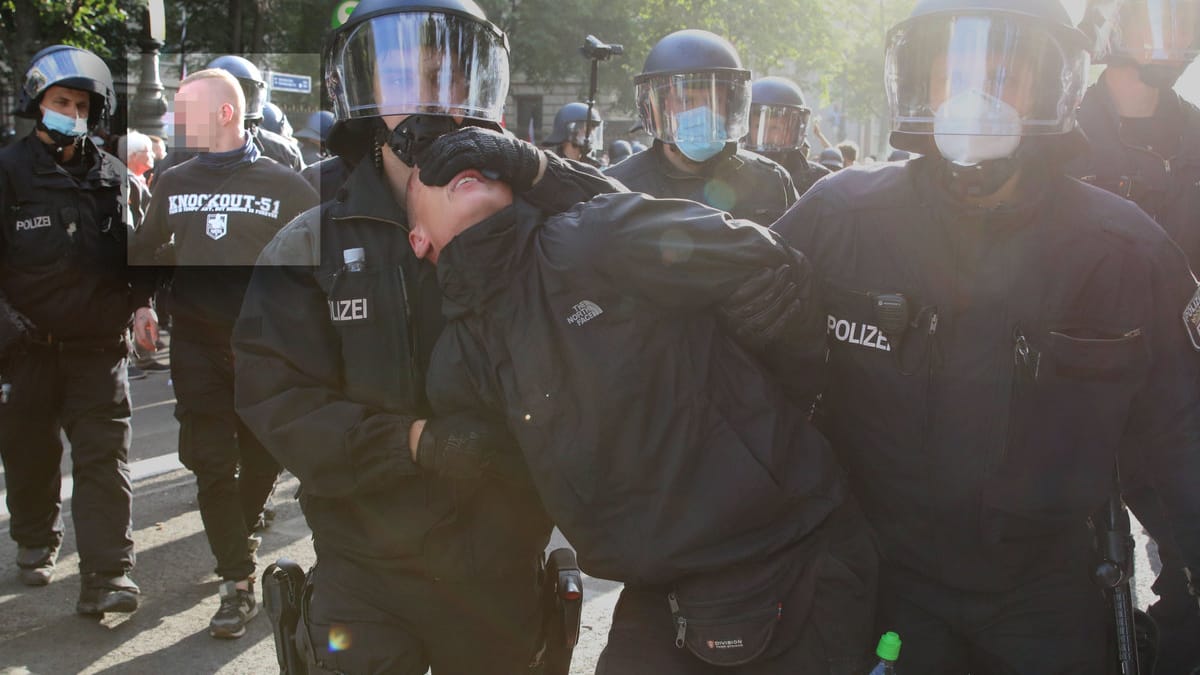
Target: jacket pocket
x,y
1070,402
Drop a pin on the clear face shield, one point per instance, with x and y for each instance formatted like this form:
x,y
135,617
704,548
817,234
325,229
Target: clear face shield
x,y
419,63
979,83
577,134
1164,32
776,128
695,111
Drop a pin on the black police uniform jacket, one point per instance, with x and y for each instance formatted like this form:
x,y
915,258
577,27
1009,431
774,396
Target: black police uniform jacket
x,y
1166,186
742,183
217,221
803,172
659,446
981,432
330,375
62,243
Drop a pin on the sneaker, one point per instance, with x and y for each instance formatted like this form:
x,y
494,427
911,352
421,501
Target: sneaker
x,y
35,566
103,592
237,608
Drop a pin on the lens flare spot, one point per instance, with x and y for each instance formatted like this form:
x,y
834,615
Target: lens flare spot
x,y
339,638
676,246
720,195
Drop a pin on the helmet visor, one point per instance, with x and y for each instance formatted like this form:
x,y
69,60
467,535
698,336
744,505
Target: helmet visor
x,y
73,68
776,128
975,74
1158,31
695,107
577,134
419,63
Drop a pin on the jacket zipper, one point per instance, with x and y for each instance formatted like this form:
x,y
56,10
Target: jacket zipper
x,y
418,378
1026,368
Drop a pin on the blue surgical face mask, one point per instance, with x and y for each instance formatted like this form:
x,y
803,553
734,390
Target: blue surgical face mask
x,y
700,133
67,126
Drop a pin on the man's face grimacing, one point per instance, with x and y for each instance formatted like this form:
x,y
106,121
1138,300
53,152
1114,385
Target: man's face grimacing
x,y
436,215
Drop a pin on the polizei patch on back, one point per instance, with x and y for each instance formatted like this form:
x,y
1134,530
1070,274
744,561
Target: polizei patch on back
x,y
1191,320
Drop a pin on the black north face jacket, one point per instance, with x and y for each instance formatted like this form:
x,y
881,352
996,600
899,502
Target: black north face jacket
x,y
657,443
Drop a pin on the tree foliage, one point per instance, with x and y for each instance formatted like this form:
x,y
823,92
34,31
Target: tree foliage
x,y
836,44
27,26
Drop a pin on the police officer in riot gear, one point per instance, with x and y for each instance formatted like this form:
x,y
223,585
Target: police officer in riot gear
x,y
999,333
778,129
573,137
66,299
1145,145
313,136
429,558
275,120
618,150
693,97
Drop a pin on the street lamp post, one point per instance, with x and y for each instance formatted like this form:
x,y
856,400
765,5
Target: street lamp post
x,y
149,105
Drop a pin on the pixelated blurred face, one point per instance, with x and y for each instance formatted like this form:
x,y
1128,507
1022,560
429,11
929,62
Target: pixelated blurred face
x,y
436,215
199,114
66,101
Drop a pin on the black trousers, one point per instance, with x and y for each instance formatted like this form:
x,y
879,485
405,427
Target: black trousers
x,y
1054,623
367,620
81,389
234,472
1176,612
836,639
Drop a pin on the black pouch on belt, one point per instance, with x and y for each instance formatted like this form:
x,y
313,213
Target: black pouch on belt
x,y
730,617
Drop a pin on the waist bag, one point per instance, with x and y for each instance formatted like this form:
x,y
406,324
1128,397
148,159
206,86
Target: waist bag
x,y
730,617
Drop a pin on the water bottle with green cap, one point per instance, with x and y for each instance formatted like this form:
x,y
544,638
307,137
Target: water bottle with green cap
x,y
887,651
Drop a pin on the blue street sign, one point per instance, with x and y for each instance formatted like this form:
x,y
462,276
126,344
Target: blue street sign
x,y
296,84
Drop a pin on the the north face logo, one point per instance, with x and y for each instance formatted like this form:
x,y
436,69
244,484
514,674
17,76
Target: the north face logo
x,y
218,225
584,312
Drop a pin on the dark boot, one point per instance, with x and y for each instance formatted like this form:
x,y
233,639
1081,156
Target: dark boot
x,y
104,592
36,565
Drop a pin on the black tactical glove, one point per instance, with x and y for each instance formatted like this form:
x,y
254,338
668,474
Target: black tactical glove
x,y
15,328
510,159
761,310
461,446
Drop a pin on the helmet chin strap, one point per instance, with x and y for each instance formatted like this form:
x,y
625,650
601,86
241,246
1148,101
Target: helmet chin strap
x,y
979,180
61,140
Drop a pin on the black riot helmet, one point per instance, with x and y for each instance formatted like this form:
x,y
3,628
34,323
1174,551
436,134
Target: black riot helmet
x,y
1160,37
250,77
569,126
619,150
979,75
778,116
433,60
693,92
275,120
70,67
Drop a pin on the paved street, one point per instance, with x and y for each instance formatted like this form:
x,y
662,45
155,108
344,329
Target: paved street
x,y
40,634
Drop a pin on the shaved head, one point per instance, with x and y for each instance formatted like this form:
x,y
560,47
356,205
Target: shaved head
x,y
208,111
